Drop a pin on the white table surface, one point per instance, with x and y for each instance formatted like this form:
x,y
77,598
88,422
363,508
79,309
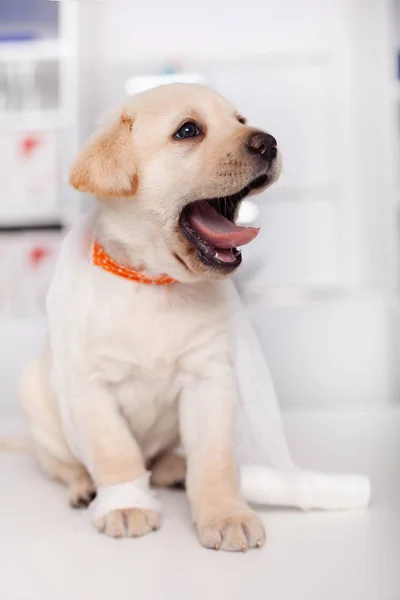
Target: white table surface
x,y
48,551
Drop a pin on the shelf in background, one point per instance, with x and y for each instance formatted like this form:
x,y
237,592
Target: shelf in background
x,y
35,120
299,295
34,221
25,227
34,50
211,63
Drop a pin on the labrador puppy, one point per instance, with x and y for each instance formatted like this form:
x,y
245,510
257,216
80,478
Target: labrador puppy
x,y
143,368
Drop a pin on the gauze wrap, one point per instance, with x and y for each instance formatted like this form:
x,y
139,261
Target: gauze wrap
x,y
132,494
268,474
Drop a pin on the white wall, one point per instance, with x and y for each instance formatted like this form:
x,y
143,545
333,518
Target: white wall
x,y
332,354
214,28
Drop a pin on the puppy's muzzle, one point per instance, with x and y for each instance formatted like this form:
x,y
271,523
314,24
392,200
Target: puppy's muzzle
x,y
263,145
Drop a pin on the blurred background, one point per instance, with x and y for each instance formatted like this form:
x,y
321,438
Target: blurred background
x,y
322,280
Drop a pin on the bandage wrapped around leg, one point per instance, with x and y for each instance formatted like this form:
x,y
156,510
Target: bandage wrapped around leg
x,y
132,494
268,473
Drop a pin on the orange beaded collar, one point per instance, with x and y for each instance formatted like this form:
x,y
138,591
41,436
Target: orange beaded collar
x,y
103,260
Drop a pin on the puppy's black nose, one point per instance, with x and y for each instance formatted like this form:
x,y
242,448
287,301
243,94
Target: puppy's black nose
x,y
263,144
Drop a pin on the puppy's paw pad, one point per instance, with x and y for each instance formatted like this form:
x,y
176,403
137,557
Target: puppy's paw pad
x,y
235,533
130,522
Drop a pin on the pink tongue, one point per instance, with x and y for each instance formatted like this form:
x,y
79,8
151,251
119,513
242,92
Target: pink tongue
x,y
218,231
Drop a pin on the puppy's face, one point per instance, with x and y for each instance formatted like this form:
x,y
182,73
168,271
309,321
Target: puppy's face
x,y
182,158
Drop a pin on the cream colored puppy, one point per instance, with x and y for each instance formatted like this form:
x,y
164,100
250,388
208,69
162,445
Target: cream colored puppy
x,y
146,367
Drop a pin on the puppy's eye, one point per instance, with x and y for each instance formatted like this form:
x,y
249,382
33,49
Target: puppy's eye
x,y
187,130
241,120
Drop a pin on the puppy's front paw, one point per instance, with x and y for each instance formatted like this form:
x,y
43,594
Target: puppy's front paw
x,y
236,533
130,522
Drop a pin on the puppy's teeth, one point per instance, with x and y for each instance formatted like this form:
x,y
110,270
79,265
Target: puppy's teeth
x,y
216,255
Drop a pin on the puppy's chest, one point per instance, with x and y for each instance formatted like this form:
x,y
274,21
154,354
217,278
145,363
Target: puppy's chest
x,y
137,345
143,334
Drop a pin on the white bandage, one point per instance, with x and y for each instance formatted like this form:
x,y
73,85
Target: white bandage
x,y
132,494
304,489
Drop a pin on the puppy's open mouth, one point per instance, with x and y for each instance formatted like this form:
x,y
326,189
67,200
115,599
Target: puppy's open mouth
x,y
209,226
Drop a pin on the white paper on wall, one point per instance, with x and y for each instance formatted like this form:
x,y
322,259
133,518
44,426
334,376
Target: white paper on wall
x,y
28,177
27,264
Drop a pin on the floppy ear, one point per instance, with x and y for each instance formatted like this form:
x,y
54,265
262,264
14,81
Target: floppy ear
x,y
106,167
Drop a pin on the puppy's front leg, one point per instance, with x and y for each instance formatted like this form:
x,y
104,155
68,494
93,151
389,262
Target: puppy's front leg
x,y
113,457
222,518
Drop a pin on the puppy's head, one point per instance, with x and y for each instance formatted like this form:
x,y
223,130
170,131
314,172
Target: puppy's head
x,y
179,159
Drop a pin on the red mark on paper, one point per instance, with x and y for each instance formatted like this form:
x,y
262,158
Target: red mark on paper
x,y
38,254
29,144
